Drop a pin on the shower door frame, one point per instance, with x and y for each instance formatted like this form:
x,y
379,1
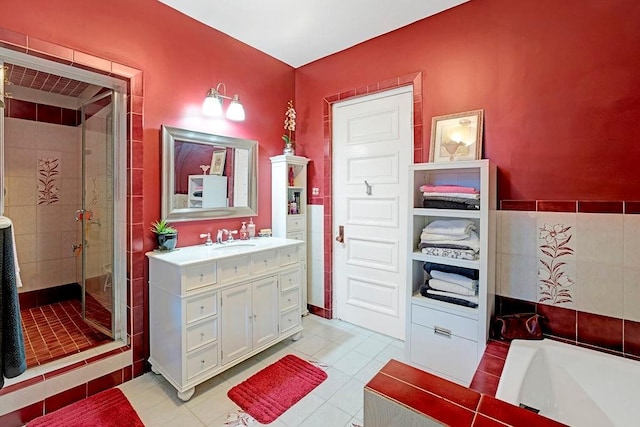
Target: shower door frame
x,y
120,97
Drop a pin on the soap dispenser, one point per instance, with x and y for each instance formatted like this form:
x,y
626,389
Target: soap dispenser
x,y
244,234
251,228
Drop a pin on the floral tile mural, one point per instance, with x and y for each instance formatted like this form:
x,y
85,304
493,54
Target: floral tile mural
x,y
48,175
555,257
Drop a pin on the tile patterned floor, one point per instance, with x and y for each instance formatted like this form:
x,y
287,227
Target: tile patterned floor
x,y
350,355
57,330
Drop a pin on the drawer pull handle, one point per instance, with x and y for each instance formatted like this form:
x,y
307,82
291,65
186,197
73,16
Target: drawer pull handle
x,y
235,269
201,277
442,331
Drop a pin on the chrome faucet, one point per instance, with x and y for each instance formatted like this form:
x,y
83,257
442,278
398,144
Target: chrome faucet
x,y
220,234
209,242
231,233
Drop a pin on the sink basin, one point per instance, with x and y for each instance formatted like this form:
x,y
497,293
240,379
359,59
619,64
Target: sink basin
x,y
231,246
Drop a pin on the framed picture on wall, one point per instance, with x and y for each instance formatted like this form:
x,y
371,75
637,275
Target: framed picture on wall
x,y
217,162
456,137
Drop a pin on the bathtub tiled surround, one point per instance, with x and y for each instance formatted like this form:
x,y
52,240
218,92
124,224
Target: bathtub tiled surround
x,y
592,248
402,395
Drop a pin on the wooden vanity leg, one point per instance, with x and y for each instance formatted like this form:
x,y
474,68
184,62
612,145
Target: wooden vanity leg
x,y
297,336
186,395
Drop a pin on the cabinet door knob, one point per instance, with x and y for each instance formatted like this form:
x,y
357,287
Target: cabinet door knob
x,y
235,269
201,308
201,277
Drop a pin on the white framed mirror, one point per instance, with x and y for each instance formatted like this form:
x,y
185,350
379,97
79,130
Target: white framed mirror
x,y
207,176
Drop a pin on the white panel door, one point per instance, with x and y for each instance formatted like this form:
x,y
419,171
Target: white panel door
x,y
372,148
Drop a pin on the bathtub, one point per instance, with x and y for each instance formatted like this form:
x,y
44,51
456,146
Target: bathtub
x,y
572,385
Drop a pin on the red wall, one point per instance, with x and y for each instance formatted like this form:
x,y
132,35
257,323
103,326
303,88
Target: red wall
x,y
559,82
180,60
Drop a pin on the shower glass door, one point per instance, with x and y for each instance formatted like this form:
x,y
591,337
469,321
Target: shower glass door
x,y
97,213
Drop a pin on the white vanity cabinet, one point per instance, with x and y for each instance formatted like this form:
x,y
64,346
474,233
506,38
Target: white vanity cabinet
x,y
211,307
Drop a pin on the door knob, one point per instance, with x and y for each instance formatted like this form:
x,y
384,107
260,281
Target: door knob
x,y
340,236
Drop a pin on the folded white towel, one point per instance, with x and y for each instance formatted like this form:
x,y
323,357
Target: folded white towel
x,y
442,285
450,226
458,279
4,223
430,237
472,242
459,195
449,294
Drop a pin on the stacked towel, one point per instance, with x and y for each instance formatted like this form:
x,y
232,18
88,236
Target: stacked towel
x,y
455,238
459,287
450,197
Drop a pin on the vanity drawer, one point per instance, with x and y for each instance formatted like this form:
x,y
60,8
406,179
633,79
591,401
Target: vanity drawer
x,y
233,269
202,333
290,280
199,275
289,320
264,261
201,306
289,255
296,222
445,322
202,360
290,299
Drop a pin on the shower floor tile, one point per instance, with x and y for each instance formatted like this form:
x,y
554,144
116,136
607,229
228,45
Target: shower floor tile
x,y
57,330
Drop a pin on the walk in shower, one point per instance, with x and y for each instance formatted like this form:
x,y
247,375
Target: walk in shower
x,y
61,182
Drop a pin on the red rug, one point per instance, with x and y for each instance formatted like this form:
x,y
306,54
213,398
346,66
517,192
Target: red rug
x,y
109,408
269,393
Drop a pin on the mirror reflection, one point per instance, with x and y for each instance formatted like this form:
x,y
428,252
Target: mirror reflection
x,y
207,176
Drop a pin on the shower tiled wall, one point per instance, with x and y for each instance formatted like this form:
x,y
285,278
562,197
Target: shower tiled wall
x,y
45,227
579,266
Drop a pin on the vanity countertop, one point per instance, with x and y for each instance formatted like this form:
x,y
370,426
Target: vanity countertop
x,y
201,253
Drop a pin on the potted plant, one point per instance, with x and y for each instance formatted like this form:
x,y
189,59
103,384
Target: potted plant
x,y
290,126
166,235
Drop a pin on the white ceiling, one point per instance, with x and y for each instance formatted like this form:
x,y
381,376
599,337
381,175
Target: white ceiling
x,y
298,32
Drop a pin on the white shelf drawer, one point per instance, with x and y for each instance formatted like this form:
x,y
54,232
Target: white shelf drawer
x,y
289,255
298,235
453,356
233,269
290,280
289,320
199,275
289,299
296,222
202,306
202,334
445,322
202,360
264,262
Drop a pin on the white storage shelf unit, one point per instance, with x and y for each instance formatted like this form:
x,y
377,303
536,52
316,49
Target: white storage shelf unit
x,y
446,338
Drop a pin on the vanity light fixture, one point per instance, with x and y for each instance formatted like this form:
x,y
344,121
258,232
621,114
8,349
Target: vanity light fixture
x,y
212,105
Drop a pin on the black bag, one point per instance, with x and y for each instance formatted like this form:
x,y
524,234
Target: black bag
x,y
524,326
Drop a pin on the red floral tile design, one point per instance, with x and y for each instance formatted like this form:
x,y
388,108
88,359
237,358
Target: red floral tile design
x,y
555,284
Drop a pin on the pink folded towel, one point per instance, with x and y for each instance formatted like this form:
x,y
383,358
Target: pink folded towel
x,y
447,189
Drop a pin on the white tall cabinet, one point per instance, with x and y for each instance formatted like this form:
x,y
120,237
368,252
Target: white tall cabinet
x,y
289,206
447,339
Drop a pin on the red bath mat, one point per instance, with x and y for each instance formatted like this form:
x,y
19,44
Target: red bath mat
x,y
109,408
269,393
